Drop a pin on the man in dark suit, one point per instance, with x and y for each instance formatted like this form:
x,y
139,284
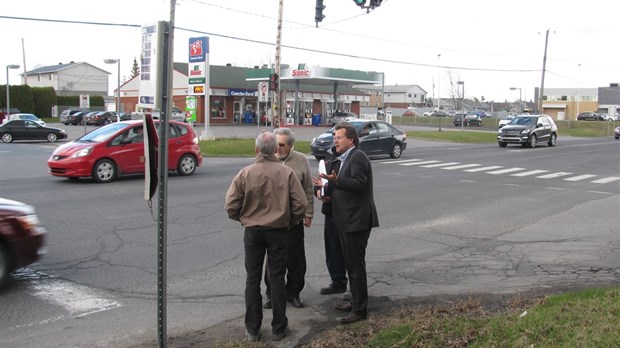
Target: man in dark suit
x,y
354,213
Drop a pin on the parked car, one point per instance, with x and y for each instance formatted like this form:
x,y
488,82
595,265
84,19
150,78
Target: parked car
x,y
376,138
30,117
436,113
589,116
470,120
505,120
479,113
98,118
113,150
617,132
410,113
22,236
178,114
29,130
88,115
66,117
123,117
528,130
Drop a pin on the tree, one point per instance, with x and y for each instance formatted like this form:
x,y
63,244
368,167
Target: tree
x,y
456,90
135,68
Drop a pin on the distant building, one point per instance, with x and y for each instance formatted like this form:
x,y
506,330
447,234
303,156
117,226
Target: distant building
x,y
395,96
70,79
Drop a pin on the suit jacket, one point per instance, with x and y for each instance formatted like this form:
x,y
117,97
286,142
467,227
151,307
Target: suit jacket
x,y
353,204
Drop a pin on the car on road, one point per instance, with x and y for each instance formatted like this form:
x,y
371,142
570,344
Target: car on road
x,y
470,120
98,118
117,149
528,130
376,138
29,130
505,120
617,132
22,236
589,116
30,117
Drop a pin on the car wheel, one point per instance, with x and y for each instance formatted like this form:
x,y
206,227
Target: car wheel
x,y
533,140
7,138
104,171
396,151
51,137
553,139
502,144
187,165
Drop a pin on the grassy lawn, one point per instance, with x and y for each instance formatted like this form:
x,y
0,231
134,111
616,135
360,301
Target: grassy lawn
x,y
238,147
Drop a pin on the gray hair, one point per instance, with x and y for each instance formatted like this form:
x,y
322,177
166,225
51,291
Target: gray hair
x,y
288,132
266,143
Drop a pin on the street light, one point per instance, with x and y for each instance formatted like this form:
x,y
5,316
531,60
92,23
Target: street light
x,y
462,83
118,86
520,103
8,99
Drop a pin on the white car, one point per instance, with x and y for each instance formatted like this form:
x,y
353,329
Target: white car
x,y
505,120
29,117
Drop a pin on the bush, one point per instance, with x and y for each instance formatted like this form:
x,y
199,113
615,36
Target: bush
x,y
44,98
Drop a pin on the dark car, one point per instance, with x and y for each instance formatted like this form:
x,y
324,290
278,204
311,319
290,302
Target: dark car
x,y
123,116
66,117
589,116
376,138
29,130
118,148
528,130
77,118
98,118
22,238
470,120
617,133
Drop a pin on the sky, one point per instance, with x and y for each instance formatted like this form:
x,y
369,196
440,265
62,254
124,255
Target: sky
x,y
489,45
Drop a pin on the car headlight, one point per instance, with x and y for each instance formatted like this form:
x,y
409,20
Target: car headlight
x,y
83,152
526,131
313,140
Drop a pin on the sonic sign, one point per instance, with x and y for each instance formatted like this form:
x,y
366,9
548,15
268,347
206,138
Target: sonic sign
x,y
198,65
301,71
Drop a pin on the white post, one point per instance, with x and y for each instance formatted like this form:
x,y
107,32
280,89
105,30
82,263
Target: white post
x,y
8,98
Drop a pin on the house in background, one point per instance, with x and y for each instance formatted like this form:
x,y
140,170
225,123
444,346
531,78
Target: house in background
x,y
70,79
395,96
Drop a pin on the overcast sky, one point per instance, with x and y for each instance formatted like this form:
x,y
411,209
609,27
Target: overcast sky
x,y
490,45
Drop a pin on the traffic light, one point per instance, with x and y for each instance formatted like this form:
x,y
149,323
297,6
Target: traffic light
x,y
360,3
318,16
273,82
375,3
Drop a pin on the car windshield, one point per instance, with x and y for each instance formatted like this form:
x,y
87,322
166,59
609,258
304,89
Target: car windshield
x,y
102,134
358,125
523,121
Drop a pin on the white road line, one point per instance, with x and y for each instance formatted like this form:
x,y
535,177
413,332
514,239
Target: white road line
x,y
418,163
606,180
531,172
580,177
462,166
441,164
399,161
504,171
553,175
601,192
483,169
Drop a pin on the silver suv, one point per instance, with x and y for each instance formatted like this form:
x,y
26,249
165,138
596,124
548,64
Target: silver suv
x,y
528,130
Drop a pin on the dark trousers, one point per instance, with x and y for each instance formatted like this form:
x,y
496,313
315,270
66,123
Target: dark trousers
x,y
296,266
257,242
354,250
333,254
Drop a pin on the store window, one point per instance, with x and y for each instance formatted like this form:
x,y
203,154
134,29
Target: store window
x,y
218,107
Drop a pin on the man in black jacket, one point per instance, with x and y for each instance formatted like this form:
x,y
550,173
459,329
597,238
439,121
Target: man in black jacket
x,y
354,214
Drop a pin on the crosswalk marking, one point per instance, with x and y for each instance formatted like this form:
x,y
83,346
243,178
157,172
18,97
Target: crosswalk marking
x,y
400,161
462,166
606,180
504,171
554,175
418,163
441,164
531,172
482,169
580,177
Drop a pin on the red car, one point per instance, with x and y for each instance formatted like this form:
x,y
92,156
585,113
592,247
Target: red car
x,y
22,238
118,148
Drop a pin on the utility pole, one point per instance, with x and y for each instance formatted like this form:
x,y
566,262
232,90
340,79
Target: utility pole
x,y
276,98
542,82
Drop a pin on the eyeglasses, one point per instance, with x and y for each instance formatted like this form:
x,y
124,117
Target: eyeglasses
x,y
281,145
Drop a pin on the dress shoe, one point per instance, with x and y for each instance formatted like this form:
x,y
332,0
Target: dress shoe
x,y
332,289
267,303
279,336
352,318
345,307
253,338
296,301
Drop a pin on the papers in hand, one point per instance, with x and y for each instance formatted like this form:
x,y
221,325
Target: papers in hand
x,y
322,170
